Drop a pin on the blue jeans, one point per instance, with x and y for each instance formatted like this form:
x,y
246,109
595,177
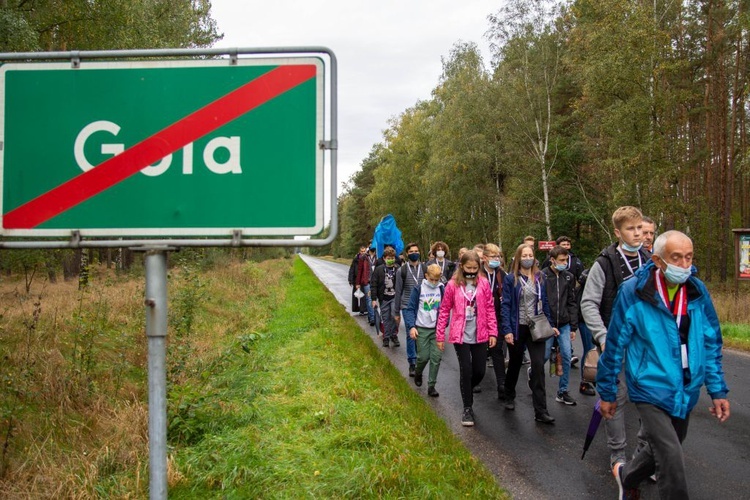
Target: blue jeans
x,y
587,341
411,346
563,349
370,312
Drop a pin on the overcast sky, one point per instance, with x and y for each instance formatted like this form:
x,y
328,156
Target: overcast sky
x,y
388,51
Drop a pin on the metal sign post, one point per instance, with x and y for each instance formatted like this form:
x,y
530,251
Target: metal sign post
x,y
156,332
200,149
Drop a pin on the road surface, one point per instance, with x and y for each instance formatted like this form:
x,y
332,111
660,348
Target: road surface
x,y
538,461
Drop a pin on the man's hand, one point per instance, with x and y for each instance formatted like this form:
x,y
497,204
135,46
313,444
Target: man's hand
x,y
509,338
413,333
607,409
557,332
357,287
441,346
493,342
374,303
720,409
572,335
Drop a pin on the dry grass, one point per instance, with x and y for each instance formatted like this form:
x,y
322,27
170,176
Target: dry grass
x,y
73,406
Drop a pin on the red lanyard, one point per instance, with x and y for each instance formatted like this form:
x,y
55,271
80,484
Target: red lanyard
x,y
680,301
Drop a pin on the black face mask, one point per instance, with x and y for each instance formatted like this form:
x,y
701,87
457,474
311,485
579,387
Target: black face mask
x,y
470,276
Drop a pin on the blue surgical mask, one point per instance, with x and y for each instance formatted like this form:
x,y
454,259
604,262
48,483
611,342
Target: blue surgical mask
x,y
428,284
629,248
527,263
561,267
494,264
413,257
677,274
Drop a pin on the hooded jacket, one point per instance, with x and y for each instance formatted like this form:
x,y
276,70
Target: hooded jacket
x,y
644,332
561,295
454,302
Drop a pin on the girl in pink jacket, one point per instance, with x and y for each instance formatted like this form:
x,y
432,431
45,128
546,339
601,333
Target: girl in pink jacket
x,y
469,305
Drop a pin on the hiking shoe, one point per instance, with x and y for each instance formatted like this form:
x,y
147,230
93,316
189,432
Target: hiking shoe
x,y
564,397
586,389
544,418
386,342
412,371
510,404
395,342
625,493
417,378
468,419
432,392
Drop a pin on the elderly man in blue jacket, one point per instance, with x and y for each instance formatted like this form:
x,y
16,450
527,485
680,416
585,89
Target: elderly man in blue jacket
x,y
665,326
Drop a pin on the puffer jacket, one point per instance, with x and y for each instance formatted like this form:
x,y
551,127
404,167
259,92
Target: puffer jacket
x,y
645,332
455,302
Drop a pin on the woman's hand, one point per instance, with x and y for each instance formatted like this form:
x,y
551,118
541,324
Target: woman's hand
x,y
509,338
493,342
441,346
413,333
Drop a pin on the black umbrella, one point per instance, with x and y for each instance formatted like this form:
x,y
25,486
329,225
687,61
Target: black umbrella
x,y
596,419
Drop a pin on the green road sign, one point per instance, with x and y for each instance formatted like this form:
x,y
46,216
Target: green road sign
x,y
162,148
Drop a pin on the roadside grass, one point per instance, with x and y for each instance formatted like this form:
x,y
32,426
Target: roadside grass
x,y
310,408
736,336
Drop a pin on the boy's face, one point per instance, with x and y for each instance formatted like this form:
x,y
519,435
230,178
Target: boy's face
x,y
561,260
631,232
565,244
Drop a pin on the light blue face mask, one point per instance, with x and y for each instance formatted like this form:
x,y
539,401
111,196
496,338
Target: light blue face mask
x,y
629,248
676,274
494,264
561,267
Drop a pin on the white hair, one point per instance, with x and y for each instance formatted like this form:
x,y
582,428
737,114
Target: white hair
x,y
660,243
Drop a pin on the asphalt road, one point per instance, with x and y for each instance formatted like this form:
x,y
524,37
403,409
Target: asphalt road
x,y
538,461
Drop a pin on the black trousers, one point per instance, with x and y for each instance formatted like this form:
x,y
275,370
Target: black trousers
x,y
472,363
497,354
515,361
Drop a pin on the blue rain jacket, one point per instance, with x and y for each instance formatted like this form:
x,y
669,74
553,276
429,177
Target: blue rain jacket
x,y
644,332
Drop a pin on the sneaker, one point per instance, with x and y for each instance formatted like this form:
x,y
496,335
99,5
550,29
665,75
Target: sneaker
x,y
363,313
490,364
417,378
625,493
386,343
574,360
501,393
586,389
544,418
510,404
372,322
395,342
412,370
476,389
526,360
468,419
432,392
564,397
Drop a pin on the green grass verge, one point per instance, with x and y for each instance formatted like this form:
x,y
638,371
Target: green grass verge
x,y
312,409
736,335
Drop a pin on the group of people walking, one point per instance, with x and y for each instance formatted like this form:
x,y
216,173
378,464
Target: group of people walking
x,y
645,313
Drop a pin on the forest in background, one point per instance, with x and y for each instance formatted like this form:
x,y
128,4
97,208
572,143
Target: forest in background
x,y
587,105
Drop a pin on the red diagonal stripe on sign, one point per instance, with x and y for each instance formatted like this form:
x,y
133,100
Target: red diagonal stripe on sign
x,y
188,129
